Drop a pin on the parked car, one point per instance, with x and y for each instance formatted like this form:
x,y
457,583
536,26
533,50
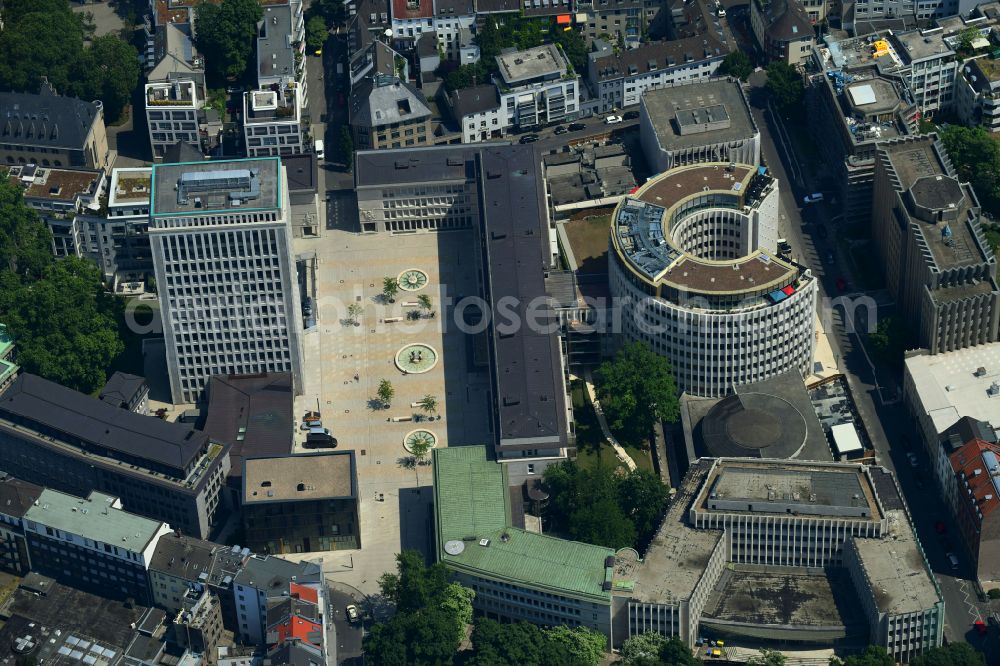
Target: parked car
x,y
953,560
815,197
631,115
529,138
352,613
612,120
561,129
912,457
576,127
320,150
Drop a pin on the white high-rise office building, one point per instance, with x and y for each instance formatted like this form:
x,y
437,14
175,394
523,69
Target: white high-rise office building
x,y
221,244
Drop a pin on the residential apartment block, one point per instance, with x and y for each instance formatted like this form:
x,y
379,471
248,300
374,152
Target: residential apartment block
x,y
64,440
536,86
273,124
264,583
783,30
977,93
619,79
125,257
92,544
938,265
50,130
281,48
451,21
386,112
16,497
221,242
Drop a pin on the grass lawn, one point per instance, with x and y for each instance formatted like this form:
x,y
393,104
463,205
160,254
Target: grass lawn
x,y
591,449
589,239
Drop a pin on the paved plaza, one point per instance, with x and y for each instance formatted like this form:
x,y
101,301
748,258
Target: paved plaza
x,y
344,364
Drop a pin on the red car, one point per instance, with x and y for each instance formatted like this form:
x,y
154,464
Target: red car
x,y
980,627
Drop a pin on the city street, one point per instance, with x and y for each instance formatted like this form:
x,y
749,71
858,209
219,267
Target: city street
x,y
811,230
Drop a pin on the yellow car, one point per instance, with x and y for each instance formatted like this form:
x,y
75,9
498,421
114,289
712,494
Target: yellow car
x,y
318,52
716,652
720,644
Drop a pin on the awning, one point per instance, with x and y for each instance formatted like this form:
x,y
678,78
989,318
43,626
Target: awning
x,y
789,290
777,296
563,19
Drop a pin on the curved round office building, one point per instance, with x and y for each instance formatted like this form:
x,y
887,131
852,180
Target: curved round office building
x,y
693,268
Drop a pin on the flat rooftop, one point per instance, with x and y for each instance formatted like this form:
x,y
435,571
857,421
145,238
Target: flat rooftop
x,y
542,61
678,555
274,53
299,478
950,387
670,108
471,504
921,169
783,596
201,188
60,184
641,229
94,518
896,569
920,45
804,489
377,168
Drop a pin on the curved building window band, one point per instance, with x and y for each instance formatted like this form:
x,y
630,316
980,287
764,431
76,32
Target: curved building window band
x,y
697,277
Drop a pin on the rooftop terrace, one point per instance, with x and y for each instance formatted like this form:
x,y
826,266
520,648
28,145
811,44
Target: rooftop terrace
x,y
130,186
544,61
472,507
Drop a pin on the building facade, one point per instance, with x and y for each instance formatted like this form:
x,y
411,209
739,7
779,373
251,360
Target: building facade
x,y
301,504
16,497
61,439
537,86
708,121
386,112
783,30
272,123
938,265
221,243
49,130
691,256
261,584
93,544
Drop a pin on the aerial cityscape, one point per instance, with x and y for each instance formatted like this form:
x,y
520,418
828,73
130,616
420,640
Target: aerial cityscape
x,y
499,332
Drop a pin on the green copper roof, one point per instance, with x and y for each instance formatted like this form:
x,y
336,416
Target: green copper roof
x,y
471,500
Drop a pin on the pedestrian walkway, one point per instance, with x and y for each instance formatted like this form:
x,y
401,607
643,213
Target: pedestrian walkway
x,y
619,451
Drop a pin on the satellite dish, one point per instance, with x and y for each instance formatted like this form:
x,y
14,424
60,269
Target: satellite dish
x,y
388,32
454,547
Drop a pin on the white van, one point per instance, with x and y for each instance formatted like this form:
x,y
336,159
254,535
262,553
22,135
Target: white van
x,y
320,155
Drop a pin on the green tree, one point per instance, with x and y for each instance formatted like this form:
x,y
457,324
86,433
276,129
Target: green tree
x,y
66,325
316,32
976,157
584,647
466,76
784,85
573,44
874,655
675,653
498,644
430,618
109,71
637,389
642,649
40,41
737,64
354,311
390,287
994,593
226,34
385,392
889,340
333,12
642,497
25,241
429,404
425,303
966,37
347,147
767,658
952,654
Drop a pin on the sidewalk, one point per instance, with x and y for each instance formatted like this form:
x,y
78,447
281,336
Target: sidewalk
x,y
619,451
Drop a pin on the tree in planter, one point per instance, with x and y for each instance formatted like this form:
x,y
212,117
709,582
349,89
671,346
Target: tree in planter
x,y
429,404
385,393
425,304
354,311
420,448
390,287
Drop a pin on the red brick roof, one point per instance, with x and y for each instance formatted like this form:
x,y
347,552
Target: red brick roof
x,y
976,466
403,9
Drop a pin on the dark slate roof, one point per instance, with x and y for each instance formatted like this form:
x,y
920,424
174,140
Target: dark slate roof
x,y
378,101
427,45
476,99
497,6
262,404
787,21
182,556
272,574
655,56
55,409
45,119
301,171
17,496
528,380
182,151
121,389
